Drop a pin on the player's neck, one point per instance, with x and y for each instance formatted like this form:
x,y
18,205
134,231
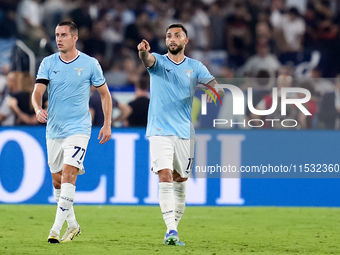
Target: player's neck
x,y
70,55
178,58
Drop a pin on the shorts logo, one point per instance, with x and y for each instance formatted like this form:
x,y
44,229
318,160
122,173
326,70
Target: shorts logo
x,y
63,209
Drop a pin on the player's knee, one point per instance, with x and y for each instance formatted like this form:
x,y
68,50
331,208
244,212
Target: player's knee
x,y
56,184
178,178
69,174
69,178
165,175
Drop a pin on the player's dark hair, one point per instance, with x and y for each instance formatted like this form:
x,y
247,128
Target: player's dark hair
x,y
177,25
73,27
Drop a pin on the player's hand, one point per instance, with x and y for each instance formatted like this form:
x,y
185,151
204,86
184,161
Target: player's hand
x,y
209,98
41,116
104,134
143,46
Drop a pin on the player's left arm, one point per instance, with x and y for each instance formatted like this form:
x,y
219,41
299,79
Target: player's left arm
x,y
219,91
105,131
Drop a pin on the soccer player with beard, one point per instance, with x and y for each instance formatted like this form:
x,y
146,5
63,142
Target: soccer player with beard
x,y
173,78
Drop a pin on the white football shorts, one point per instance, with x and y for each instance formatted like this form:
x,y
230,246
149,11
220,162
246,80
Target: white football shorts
x,y
70,151
172,152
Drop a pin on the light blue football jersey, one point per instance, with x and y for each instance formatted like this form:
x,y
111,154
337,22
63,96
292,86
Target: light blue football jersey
x,y
68,89
172,88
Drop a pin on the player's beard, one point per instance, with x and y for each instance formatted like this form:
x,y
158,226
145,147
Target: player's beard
x,y
176,50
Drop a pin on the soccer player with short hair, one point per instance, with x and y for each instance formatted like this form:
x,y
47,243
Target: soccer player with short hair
x,y
170,130
68,76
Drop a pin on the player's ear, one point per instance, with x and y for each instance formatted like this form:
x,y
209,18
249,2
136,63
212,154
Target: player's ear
x,y
186,40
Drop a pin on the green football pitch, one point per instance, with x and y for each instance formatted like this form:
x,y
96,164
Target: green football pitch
x,y
205,230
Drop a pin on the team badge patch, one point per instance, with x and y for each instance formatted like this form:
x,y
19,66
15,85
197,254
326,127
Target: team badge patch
x,y
79,70
189,72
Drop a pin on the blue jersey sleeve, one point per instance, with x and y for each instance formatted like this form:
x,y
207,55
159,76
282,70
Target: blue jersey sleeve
x,y
203,74
155,67
43,72
97,78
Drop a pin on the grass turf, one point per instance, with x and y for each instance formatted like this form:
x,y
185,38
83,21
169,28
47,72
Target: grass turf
x,y
205,230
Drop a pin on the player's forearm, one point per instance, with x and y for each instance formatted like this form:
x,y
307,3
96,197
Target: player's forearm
x,y
36,101
146,57
107,109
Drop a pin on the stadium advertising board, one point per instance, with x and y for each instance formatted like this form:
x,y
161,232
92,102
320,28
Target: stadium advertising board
x,y
262,167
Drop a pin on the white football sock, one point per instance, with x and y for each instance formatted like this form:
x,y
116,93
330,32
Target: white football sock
x,y
65,204
71,217
56,193
179,194
167,204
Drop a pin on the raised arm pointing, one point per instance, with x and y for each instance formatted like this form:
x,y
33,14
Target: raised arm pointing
x,y
144,53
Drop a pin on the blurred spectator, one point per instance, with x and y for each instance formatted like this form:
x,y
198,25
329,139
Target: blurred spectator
x,y
13,85
96,109
201,23
21,105
307,121
184,16
81,16
293,28
8,33
116,76
299,5
146,32
114,30
53,13
133,70
286,70
8,27
262,86
216,15
263,35
29,19
329,113
262,60
327,30
95,46
238,35
119,9
159,23
267,102
323,9
132,32
140,105
322,85
277,8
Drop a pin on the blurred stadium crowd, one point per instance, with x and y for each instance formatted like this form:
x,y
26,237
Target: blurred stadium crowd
x,y
297,41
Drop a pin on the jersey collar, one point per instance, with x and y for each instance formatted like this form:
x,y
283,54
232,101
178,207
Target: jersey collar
x,y
68,62
176,63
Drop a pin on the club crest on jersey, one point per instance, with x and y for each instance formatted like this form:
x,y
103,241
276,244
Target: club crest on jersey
x,y
189,72
79,70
